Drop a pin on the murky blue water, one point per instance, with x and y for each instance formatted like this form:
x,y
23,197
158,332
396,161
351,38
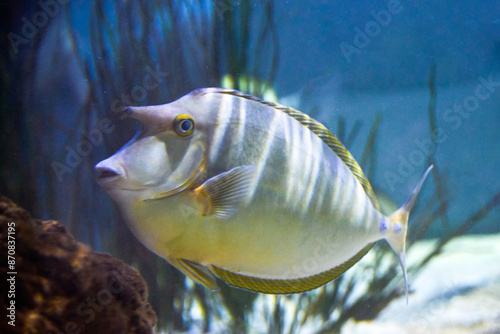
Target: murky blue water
x,y
72,66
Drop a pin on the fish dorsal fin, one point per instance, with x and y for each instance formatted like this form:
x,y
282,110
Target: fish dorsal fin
x,y
287,286
324,134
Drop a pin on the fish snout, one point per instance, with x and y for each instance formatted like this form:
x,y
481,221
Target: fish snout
x,y
107,173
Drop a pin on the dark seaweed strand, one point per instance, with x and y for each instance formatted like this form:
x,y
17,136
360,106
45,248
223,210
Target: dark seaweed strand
x,y
324,134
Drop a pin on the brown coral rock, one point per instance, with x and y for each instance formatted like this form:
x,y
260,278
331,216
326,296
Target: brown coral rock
x,y
63,286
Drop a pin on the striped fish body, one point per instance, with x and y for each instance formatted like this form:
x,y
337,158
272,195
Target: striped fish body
x,y
256,195
302,196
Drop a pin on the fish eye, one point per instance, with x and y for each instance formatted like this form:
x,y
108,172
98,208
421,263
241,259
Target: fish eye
x,y
183,125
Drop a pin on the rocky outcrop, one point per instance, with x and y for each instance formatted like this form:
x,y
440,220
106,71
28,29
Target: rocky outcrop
x,y
55,284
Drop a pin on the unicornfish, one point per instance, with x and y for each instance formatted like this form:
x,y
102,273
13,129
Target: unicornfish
x,y
223,184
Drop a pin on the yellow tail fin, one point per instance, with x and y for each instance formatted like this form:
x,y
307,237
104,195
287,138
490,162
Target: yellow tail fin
x,y
398,225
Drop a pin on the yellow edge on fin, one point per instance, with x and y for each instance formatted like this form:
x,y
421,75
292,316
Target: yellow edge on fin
x,y
324,134
287,286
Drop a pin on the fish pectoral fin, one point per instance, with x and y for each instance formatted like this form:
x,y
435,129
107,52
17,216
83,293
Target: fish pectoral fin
x,y
223,194
198,273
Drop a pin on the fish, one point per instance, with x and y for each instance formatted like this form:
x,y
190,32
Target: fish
x,y
222,184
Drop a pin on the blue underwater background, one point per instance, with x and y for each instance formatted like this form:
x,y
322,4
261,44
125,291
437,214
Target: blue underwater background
x,y
402,83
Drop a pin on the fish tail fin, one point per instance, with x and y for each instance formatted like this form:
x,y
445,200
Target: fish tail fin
x,y
398,225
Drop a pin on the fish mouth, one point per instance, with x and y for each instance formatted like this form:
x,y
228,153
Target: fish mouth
x,y
106,174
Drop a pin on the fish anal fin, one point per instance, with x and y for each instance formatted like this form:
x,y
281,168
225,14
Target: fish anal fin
x,y
287,286
223,194
198,273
